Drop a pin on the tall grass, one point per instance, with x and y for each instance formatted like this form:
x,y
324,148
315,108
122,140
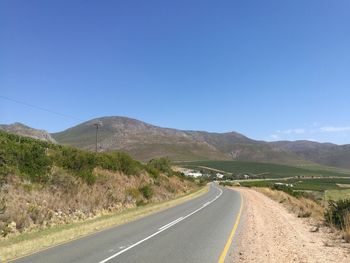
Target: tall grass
x,y
346,228
301,206
338,215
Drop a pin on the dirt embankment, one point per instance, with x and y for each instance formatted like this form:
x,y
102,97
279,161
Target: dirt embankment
x,y
270,233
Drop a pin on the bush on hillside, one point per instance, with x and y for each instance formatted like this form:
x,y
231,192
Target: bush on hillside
x,y
203,181
161,165
78,162
25,156
126,164
146,191
337,213
34,159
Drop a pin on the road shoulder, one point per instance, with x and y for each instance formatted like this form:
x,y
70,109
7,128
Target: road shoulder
x,y
272,234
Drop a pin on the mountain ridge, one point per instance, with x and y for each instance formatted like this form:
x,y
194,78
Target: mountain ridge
x,y
145,141
24,130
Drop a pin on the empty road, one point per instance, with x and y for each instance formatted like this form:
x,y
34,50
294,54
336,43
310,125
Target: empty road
x,y
198,230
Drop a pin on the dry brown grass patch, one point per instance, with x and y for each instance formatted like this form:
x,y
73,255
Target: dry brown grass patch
x,y
302,207
69,199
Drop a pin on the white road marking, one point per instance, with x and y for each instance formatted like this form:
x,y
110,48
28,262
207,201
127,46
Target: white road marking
x,y
163,228
171,223
207,203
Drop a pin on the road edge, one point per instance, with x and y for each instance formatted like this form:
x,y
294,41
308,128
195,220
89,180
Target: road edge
x,y
233,231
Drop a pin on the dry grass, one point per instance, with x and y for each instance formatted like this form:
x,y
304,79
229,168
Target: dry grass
x,y
302,207
68,199
17,246
346,227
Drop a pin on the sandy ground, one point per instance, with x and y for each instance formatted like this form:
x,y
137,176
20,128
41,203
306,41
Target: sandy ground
x,y
269,233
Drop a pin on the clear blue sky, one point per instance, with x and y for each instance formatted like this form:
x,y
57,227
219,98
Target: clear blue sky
x,y
268,69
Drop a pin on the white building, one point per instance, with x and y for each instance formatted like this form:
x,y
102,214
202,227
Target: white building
x,y
219,175
195,174
192,173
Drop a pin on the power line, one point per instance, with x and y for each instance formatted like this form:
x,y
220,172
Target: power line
x,y
40,108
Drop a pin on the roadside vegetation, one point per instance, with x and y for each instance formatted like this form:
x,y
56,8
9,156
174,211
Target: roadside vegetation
x,y
338,215
301,205
44,185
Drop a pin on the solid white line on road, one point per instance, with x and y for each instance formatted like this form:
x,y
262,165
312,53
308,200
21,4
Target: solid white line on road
x,y
171,223
163,228
207,203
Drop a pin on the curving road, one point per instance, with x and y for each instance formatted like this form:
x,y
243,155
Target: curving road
x,y
200,230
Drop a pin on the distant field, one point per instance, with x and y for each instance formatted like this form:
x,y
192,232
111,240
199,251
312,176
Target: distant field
x,y
319,184
321,188
267,170
337,194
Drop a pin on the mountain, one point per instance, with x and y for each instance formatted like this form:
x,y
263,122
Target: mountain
x,y
323,153
145,141
23,130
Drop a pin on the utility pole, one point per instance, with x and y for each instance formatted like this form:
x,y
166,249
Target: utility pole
x,y
97,125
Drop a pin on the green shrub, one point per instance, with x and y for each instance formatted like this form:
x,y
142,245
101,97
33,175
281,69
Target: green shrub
x,y
26,156
128,165
337,212
183,177
117,161
78,162
146,191
134,193
162,165
203,181
33,159
152,171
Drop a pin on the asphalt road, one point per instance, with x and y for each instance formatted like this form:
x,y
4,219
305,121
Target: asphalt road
x,y
195,231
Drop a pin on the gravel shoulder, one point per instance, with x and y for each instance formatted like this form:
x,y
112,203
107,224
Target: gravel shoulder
x,y
269,233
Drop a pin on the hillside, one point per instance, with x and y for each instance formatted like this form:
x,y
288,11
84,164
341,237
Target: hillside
x,y
23,130
44,184
141,140
144,141
322,153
